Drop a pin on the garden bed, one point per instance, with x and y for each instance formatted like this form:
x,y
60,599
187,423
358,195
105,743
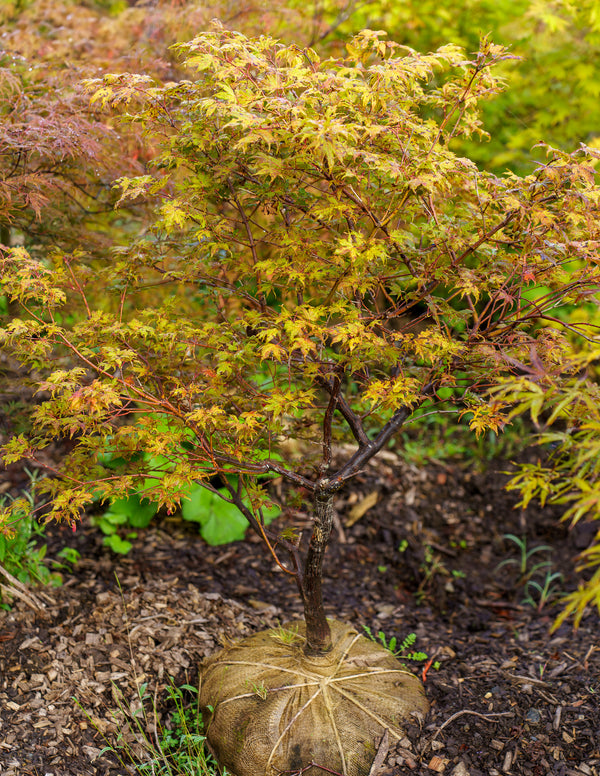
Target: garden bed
x,y
508,696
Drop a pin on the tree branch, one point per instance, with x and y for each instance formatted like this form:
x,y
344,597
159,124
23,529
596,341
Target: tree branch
x,y
351,417
256,523
327,421
364,453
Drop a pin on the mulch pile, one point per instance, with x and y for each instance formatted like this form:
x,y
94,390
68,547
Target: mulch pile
x,y
414,551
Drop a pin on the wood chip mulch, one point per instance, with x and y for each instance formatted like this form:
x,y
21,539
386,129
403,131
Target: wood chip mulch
x,y
508,696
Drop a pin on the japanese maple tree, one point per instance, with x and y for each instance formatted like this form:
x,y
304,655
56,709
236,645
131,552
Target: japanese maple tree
x,y
327,268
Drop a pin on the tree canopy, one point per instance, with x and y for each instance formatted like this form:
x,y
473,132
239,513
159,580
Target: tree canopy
x,y
320,267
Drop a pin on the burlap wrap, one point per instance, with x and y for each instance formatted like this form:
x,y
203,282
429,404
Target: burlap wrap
x,y
276,710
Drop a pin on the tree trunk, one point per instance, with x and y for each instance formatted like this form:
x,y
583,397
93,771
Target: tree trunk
x,y
318,634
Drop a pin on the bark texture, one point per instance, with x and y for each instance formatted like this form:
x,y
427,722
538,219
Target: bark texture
x,y
318,633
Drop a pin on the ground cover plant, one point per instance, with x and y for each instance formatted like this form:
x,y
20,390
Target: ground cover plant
x,y
23,561
327,270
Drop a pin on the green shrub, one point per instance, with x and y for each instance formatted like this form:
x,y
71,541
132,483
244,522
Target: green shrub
x,y
22,551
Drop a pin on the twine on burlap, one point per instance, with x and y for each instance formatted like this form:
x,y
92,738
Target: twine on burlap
x,y
274,709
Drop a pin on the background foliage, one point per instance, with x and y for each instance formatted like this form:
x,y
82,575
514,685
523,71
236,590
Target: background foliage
x,y
553,94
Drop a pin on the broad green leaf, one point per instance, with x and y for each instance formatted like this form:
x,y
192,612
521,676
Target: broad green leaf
x,y
220,522
133,511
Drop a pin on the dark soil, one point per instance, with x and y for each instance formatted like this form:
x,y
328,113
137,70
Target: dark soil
x,y
508,697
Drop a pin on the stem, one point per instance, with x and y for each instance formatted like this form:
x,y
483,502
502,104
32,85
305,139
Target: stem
x,y
352,419
365,452
318,634
327,421
258,525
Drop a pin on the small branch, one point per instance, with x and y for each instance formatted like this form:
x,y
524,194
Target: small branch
x,y
488,235
505,221
479,67
382,753
573,328
475,714
242,213
327,422
122,302
343,16
351,418
259,526
353,197
79,288
274,466
17,589
210,282
368,451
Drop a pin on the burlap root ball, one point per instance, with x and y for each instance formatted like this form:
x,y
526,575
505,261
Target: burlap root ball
x,y
270,709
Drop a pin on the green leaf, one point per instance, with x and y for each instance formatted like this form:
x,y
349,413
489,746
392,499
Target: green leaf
x,y
220,522
116,544
134,511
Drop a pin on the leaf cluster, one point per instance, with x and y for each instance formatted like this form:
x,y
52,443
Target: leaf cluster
x,y
553,88
570,476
